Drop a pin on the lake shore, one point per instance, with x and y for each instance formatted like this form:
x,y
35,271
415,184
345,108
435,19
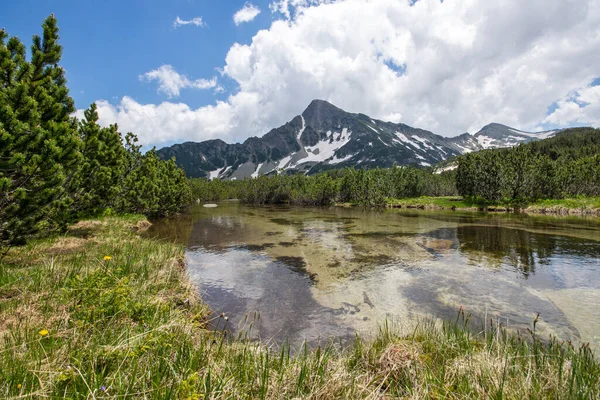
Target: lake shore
x,y
104,312
589,206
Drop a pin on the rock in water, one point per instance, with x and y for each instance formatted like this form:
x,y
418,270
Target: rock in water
x,y
210,205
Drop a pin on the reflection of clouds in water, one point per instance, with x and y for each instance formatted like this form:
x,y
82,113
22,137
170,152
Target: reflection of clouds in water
x,y
582,309
392,266
242,283
373,297
227,222
573,272
326,234
235,271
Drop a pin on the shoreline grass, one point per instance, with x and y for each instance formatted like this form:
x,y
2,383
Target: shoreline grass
x,y
570,206
102,312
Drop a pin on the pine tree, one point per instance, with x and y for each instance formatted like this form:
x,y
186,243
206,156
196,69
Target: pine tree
x,y
97,181
38,141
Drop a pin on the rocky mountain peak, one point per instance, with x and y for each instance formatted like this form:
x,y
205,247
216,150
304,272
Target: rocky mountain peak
x,y
325,137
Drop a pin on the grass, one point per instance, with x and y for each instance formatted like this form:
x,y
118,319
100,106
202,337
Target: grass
x,y
579,205
431,203
130,325
585,205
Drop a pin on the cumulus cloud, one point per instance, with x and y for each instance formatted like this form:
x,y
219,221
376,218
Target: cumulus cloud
x,y
246,14
170,82
194,21
168,122
449,67
287,7
581,107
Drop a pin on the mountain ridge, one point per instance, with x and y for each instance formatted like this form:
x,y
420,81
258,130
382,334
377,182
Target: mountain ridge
x,y
324,136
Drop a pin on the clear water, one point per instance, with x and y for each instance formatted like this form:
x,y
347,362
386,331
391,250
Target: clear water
x,y
320,273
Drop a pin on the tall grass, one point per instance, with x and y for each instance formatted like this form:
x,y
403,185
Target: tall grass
x,y
130,325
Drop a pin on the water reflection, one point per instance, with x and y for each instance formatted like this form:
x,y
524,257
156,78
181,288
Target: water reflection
x,y
316,273
517,248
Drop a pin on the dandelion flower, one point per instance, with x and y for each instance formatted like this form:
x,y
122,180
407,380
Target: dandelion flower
x,y
107,258
19,386
43,332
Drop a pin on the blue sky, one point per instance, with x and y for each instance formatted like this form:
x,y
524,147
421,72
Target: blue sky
x,y
109,43
449,67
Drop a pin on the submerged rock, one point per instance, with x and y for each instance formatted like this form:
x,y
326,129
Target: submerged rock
x,y
210,205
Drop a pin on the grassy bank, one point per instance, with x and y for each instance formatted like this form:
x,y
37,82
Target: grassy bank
x,y
578,206
104,313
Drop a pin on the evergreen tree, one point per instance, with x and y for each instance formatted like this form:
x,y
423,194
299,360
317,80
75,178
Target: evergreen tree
x,y
97,180
38,140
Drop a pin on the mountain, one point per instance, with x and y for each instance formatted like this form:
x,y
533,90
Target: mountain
x,y
494,136
325,136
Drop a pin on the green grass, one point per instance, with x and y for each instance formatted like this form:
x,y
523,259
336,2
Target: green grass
x,y
585,204
580,205
132,326
444,203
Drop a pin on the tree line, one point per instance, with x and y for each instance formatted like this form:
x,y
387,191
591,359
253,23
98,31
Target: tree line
x,y
567,165
359,186
56,169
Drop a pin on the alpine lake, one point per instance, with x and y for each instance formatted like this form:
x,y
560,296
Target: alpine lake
x,y
298,274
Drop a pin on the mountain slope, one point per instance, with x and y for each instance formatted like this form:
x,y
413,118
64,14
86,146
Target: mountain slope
x,y
325,136
494,136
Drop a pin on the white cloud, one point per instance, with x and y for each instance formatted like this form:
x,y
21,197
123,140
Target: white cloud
x,y
246,14
167,122
468,63
582,107
194,21
287,7
170,82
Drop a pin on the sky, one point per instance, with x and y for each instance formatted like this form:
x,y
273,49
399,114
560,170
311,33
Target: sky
x,y
192,70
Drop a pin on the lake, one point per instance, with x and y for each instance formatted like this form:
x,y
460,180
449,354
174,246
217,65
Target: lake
x,y
310,274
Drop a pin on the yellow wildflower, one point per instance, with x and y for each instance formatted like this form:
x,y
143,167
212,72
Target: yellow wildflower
x,y
43,332
107,258
19,386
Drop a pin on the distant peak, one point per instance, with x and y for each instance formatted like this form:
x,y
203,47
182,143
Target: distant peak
x,y
319,106
319,102
496,125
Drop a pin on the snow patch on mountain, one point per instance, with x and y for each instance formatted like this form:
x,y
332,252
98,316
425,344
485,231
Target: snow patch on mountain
x,y
255,173
301,129
214,174
485,142
405,139
285,161
424,141
337,160
327,147
536,135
